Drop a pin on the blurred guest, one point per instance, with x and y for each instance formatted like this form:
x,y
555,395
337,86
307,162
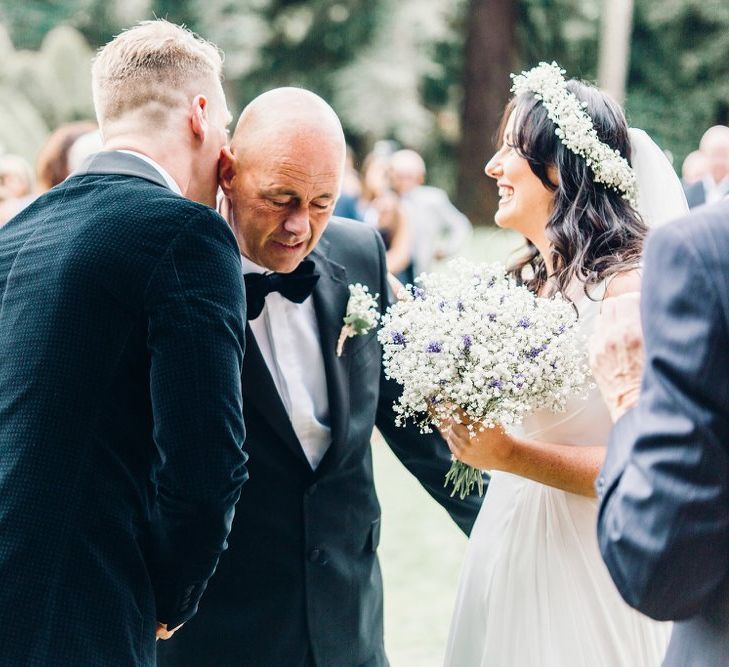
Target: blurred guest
x,y
393,227
715,184
694,168
17,184
439,229
87,144
52,163
374,182
346,206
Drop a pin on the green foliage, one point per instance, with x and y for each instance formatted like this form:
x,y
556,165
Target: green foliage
x,y
48,87
561,30
391,68
679,75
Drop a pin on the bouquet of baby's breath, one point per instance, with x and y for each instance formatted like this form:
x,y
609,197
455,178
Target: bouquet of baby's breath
x,y
470,337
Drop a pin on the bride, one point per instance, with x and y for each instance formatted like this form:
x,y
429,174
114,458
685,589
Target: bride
x,y
534,591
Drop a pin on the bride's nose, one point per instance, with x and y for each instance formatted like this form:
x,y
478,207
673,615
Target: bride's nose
x,y
493,167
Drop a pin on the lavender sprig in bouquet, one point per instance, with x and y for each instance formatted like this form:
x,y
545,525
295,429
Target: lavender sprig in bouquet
x,y
470,337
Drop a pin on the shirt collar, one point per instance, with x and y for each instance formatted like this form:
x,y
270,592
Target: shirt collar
x,y
710,184
252,267
171,183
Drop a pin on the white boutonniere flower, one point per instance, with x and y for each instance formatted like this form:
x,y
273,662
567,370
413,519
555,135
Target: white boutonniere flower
x,y
362,314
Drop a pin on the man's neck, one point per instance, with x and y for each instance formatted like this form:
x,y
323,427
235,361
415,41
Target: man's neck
x,y
176,168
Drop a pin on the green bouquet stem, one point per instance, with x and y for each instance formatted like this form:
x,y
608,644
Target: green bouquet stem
x,y
464,477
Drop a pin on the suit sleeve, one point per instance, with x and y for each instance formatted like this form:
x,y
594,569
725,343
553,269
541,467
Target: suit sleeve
x,y
664,516
196,312
426,456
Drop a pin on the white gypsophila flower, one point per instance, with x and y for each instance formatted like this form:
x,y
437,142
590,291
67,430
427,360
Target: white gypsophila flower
x,y
362,314
470,337
575,128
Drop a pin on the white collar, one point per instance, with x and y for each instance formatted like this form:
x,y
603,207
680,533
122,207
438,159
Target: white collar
x,y
252,267
171,183
711,184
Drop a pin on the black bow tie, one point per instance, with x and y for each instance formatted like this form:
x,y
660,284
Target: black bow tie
x,y
295,286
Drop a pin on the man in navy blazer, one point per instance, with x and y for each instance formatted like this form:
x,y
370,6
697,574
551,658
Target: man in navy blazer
x,y
122,317
664,488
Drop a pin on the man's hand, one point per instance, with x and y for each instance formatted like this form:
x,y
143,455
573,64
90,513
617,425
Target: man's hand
x,y
164,633
616,352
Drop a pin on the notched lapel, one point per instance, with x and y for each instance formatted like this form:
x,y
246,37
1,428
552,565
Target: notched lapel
x,y
331,295
260,389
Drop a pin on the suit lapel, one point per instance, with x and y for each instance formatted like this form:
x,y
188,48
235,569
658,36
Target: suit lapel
x,y
330,303
260,389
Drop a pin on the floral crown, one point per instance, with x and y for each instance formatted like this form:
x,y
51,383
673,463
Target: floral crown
x,y
575,128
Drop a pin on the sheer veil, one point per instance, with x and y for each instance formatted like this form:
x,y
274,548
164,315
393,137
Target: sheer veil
x,y
660,194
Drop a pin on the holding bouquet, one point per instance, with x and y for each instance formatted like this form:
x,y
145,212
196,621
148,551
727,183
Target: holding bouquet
x,y
472,345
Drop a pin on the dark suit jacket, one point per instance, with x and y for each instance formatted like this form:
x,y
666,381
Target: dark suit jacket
x,y
664,513
695,194
121,335
301,572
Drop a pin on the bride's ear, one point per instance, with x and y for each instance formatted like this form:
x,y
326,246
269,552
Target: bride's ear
x,y
227,170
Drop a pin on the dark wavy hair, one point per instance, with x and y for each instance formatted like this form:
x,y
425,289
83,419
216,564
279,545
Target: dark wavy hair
x,y
593,231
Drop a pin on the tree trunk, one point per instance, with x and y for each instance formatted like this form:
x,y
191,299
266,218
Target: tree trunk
x,y
488,62
617,25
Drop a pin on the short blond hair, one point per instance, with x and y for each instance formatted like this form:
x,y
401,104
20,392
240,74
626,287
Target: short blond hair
x,y
153,68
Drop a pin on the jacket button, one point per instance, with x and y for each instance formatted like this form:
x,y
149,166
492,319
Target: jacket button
x,y
311,490
314,555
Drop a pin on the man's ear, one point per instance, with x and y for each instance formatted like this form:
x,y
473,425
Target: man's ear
x,y
227,170
199,117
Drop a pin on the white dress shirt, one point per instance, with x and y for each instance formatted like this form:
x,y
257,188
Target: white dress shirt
x,y
287,334
171,183
715,192
436,225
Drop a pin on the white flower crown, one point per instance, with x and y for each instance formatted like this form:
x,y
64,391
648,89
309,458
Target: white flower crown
x,y
575,128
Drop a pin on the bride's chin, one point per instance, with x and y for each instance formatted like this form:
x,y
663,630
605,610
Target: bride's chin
x,y
501,220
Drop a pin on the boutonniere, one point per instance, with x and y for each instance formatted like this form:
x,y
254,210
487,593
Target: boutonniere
x,y
362,314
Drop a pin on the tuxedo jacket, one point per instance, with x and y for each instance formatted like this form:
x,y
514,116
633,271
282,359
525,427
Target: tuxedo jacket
x,y
122,318
664,511
300,583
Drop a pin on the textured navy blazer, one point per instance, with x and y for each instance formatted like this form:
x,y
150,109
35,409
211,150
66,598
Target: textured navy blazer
x,y
121,342
664,512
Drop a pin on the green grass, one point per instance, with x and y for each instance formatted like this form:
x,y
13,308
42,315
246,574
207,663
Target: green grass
x,y
421,548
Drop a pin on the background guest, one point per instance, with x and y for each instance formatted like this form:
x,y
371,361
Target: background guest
x,y
346,206
715,184
17,184
52,162
694,168
87,144
439,229
395,231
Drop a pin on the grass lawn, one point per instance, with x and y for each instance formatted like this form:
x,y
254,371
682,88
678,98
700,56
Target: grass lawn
x,y
421,548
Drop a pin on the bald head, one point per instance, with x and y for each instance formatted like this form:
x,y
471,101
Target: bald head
x,y
715,137
407,170
715,146
283,114
282,175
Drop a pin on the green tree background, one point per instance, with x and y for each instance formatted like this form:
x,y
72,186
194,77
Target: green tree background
x,y
393,69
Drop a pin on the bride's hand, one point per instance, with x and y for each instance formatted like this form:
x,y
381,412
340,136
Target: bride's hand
x,y
489,449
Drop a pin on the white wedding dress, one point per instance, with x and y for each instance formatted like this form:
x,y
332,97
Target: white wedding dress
x,y
534,591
